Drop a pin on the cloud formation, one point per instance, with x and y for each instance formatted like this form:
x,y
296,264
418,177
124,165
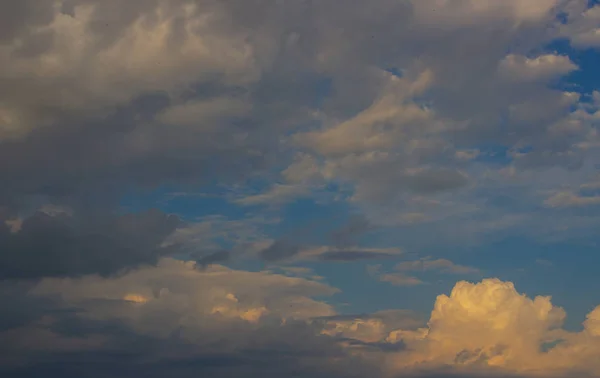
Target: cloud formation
x,y
420,124
220,320
65,245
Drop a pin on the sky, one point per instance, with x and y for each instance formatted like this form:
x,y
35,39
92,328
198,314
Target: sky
x,y
302,188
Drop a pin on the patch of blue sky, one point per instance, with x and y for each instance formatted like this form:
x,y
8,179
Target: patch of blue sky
x,y
586,79
188,204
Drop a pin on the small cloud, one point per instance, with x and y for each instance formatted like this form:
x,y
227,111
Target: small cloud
x,y
570,199
276,195
541,68
399,279
466,155
279,250
402,278
327,253
440,265
136,298
544,262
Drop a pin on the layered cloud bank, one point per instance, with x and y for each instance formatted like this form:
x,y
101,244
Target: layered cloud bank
x,y
221,321
179,176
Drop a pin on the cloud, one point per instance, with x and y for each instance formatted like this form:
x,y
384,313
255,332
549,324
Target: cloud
x,y
543,67
348,233
569,199
193,93
216,321
583,30
403,277
217,257
490,325
212,235
370,328
223,321
276,195
441,265
426,117
281,250
328,253
400,279
61,244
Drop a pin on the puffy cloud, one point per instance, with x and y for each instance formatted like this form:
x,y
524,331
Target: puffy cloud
x,y
569,199
489,325
543,67
584,29
370,328
158,48
592,322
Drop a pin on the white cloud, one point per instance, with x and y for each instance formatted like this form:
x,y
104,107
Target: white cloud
x,y
543,67
569,199
584,29
491,325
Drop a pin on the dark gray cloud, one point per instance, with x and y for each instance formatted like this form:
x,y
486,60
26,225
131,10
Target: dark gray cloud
x,y
64,245
241,350
353,255
279,250
431,181
216,257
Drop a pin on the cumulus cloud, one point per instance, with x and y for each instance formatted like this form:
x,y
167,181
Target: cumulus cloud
x,y
584,30
489,327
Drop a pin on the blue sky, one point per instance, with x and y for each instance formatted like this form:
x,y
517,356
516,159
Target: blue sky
x,y
404,187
